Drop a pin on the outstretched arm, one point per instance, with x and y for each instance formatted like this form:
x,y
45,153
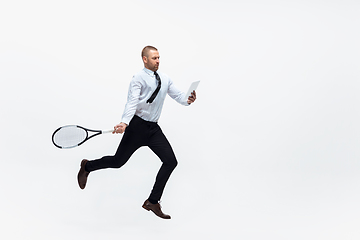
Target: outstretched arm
x,y
179,96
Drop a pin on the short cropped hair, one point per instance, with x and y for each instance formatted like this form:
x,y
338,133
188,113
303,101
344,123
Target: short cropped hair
x,y
145,51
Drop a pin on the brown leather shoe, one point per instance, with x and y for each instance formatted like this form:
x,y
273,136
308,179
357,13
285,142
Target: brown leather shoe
x,y
83,174
155,208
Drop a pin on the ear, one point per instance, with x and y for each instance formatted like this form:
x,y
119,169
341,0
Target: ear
x,y
144,59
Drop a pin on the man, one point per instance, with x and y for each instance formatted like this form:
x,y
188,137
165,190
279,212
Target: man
x,y
145,100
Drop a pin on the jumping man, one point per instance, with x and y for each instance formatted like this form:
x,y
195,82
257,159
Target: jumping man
x,y
145,100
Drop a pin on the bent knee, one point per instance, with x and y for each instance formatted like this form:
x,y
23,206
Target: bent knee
x,y
172,164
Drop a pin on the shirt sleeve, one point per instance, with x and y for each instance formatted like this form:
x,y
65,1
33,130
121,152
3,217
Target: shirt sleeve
x,y
176,94
132,100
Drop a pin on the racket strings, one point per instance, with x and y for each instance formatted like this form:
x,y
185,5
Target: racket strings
x,y
69,136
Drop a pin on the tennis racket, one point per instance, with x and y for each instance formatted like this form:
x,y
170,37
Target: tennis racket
x,y
71,136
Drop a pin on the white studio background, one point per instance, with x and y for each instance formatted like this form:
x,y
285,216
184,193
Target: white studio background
x,y
268,151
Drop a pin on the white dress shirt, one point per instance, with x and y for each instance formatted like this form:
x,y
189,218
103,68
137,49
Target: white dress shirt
x,y
142,86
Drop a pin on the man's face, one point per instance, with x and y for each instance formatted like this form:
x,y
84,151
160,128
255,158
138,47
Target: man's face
x,y
152,61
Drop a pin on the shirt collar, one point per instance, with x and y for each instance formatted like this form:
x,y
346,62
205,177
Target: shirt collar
x,y
148,71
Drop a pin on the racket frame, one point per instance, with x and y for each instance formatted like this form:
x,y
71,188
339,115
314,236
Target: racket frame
x,y
97,132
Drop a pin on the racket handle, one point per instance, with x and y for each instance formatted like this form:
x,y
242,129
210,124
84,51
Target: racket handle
x,y
107,131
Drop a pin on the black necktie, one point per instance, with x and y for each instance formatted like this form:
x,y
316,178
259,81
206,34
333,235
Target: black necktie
x,y
153,96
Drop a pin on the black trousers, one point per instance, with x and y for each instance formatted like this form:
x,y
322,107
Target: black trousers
x,y
141,133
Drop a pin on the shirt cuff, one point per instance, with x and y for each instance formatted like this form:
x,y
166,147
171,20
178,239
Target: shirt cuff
x,y
126,120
